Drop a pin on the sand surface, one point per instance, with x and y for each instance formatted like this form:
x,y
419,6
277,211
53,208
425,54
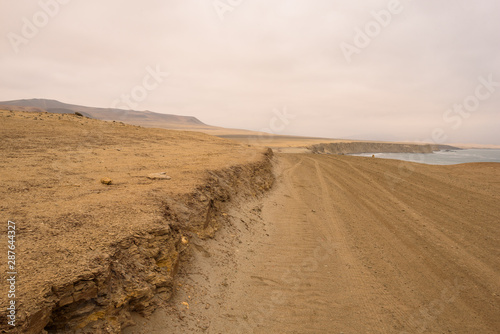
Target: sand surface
x,y
349,245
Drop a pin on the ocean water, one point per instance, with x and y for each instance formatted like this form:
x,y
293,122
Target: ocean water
x,y
443,157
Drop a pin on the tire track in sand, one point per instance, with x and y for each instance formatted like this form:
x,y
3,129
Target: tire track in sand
x,y
389,268
332,249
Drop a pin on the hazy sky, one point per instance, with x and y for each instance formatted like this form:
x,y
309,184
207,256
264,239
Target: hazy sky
x,y
389,70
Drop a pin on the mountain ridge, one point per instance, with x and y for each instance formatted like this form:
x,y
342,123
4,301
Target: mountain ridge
x,y
144,118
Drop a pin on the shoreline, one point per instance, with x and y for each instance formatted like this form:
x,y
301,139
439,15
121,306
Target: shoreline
x,y
444,157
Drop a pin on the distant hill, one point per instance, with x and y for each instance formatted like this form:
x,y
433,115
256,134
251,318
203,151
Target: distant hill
x,y
142,118
188,123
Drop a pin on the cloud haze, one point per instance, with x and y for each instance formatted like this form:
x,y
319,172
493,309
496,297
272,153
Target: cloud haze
x,y
234,64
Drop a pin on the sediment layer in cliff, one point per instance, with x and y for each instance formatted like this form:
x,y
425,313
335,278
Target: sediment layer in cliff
x,y
92,252
375,147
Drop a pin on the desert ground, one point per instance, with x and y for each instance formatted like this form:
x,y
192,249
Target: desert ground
x,y
349,245
88,251
240,240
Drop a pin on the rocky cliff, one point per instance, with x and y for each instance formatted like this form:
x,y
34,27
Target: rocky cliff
x,y
374,147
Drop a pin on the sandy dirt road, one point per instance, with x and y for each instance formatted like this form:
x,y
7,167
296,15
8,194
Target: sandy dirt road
x,y
351,245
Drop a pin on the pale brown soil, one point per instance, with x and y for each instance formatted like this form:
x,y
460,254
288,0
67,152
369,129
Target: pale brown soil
x,y
350,245
339,245
76,234
142,118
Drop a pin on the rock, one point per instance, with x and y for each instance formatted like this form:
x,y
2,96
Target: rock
x,y
86,294
159,176
66,301
184,240
106,180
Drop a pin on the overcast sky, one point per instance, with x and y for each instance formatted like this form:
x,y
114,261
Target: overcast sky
x,y
384,70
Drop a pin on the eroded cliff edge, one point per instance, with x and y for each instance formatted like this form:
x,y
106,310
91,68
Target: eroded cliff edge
x,y
91,253
375,147
140,269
